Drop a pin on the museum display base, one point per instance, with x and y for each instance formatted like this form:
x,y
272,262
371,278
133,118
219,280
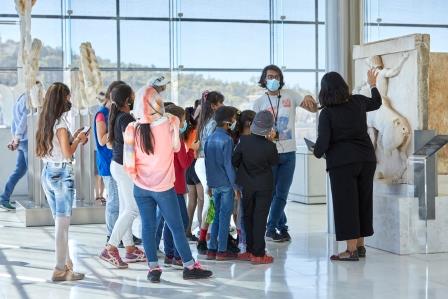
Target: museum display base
x,y
398,228
83,213
308,185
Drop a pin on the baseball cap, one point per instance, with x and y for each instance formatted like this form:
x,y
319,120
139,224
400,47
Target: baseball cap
x,y
158,81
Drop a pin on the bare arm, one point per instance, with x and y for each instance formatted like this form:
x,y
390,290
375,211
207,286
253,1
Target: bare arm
x,y
69,148
388,73
101,132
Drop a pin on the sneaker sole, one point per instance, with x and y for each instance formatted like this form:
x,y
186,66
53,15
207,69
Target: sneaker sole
x,y
7,210
177,267
135,261
195,278
116,266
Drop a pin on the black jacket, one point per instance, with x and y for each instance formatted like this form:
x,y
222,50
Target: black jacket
x,y
342,131
254,157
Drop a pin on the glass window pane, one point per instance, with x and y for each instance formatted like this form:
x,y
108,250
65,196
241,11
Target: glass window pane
x,y
138,79
8,79
9,43
144,8
304,84
49,32
103,40
295,10
226,9
47,7
405,11
322,47
321,10
300,46
108,78
439,36
240,89
145,44
225,45
93,7
49,77
8,7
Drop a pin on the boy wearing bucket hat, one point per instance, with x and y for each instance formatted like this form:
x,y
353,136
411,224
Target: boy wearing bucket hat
x,y
254,158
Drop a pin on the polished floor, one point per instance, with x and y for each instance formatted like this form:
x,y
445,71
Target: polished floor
x,y
301,268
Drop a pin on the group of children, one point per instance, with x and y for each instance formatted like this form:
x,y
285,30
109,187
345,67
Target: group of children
x,y
152,152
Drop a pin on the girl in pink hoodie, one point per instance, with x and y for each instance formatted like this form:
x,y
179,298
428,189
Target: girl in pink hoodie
x,y
150,144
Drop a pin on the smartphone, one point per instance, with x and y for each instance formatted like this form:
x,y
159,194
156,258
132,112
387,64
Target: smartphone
x,y
86,130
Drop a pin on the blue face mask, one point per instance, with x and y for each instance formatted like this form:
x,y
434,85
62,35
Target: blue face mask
x,y
232,126
184,127
272,85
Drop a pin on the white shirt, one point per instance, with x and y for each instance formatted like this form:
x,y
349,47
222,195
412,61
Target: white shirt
x,y
56,155
285,110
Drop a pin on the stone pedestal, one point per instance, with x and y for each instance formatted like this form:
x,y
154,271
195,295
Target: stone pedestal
x,y
398,227
308,185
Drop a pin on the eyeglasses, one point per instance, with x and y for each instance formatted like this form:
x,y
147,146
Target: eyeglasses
x,y
270,77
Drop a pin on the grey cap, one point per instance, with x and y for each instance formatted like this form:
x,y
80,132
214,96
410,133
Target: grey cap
x,y
263,123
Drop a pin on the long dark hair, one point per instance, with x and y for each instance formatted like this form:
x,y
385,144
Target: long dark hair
x,y
146,140
333,90
112,86
120,96
53,107
213,97
271,67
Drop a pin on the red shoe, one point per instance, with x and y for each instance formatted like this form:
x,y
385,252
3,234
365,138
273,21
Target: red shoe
x,y
226,256
245,256
266,259
113,257
211,255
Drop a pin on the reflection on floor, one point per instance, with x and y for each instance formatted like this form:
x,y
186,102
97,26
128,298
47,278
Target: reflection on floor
x,y
301,269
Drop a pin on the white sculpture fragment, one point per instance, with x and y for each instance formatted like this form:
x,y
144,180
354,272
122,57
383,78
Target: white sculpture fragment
x,y
389,130
90,79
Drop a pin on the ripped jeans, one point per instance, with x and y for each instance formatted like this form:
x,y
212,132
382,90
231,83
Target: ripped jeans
x,y
58,182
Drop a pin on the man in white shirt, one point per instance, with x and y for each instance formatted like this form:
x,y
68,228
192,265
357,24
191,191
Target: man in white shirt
x,y
282,103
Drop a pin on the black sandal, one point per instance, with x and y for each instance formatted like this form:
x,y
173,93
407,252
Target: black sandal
x,y
350,257
361,251
102,200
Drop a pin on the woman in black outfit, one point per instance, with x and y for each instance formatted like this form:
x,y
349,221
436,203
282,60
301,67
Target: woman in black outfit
x,y
350,156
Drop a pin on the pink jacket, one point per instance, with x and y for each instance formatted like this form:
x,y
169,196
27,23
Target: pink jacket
x,y
153,172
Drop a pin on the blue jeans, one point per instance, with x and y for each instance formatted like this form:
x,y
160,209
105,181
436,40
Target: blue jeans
x,y
223,197
170,249
160,224
112,203
147,202
19,172
58,183
283,174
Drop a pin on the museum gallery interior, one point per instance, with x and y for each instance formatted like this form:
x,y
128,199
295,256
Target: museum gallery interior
x,y
223,148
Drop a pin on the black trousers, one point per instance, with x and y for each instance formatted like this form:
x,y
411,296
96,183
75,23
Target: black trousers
x,y
256,206
352,192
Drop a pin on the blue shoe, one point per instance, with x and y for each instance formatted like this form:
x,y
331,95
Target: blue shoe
x,y
7,206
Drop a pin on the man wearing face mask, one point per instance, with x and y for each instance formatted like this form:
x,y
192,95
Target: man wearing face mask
x,y
159,84
282,103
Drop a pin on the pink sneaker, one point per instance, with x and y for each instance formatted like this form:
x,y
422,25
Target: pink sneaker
x,y
135,256
113,257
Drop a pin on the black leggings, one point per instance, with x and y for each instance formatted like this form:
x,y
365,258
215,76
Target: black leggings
x,y
352,192
256,206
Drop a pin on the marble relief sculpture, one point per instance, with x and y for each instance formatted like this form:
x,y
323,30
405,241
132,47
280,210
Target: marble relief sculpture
x,y
389,130
90,79
29,51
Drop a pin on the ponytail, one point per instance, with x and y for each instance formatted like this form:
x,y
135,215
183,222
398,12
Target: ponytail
x,y
146,140
120,96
